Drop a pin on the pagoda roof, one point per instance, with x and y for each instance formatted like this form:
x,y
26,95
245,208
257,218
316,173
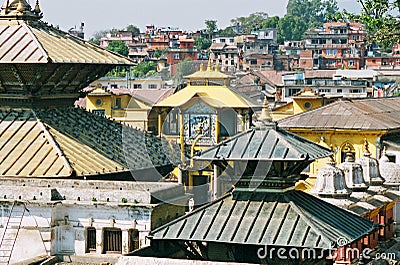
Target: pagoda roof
x,y
267,142
290,219
24,41
215,96
70,142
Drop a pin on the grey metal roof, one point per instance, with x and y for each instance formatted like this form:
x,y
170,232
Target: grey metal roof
x,y
293,218
267,142
365,114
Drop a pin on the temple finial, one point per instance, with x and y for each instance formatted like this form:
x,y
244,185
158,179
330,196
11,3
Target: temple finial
x,y
265,115
37,8
209,64
366,147
20,7
201,68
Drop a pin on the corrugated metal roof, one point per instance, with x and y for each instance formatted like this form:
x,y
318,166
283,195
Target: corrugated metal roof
x,y
60,141
267,142
293,218
37,42
366,114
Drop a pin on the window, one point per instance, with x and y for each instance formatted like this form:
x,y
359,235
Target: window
x,y
340,91
351,63
356,90
90,239
137,86
176,56
333,52
112,240
253,62
133,242
307,105
99,102
118,103
153,86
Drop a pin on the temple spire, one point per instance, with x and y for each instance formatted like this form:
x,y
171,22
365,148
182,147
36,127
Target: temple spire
x,y
265,115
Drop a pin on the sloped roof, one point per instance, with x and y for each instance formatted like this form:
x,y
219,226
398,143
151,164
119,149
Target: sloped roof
x,y
65,142
365,114
293,219
41,43
267,142
218,96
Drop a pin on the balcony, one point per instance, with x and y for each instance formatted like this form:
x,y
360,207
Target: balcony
x,y
325,36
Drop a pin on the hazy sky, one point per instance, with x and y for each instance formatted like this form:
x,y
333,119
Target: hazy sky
x,y
185,14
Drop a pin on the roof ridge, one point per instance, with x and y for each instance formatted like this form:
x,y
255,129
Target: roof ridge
x,y
55,145
310,221
36,41
186,216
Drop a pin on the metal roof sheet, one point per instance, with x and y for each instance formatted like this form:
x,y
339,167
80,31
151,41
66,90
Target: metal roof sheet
x,y
267,142
292,218
38,42
366,114
60,141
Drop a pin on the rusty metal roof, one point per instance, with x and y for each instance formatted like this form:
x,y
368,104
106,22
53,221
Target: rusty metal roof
x,y
267,142
38,42
365,114
65,142
293,219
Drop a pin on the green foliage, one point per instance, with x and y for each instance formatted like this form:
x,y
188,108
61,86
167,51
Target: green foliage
x,y
119,47
271,22
144,69
184,68
201,43
211,27
94,199
135,30
94,41
397,94
252,21
381,19
290,28
312,12
118,71
124,200
227,31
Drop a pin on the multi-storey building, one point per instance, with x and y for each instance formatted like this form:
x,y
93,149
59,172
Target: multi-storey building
x,y
336,45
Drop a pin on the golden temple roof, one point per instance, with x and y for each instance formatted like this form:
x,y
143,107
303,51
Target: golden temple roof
x,y
212,89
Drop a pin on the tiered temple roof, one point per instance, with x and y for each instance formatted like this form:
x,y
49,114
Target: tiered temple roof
x,y
271,213
42,71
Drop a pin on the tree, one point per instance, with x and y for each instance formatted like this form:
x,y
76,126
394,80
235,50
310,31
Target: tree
x,y
184,68
211,27
381,19
290,28
143,69
251,22
312,12
201,43
271,22
97,36
118,46
135,30
302,15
